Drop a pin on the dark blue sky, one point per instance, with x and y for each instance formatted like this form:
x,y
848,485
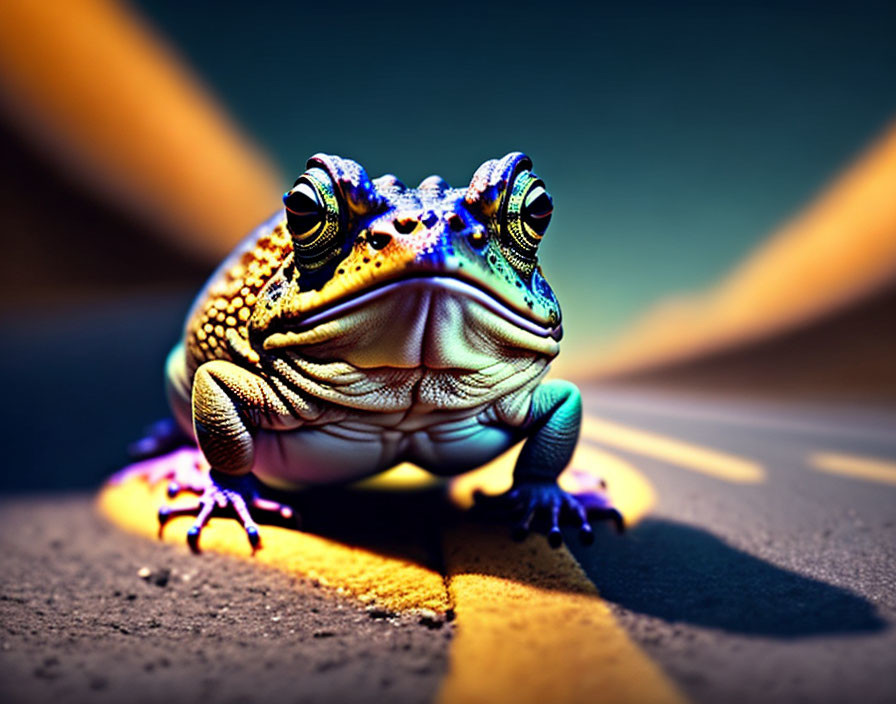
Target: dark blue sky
x,y
673,136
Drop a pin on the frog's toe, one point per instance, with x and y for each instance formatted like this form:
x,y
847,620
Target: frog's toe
x,y
166,513
222,492
546,507
225,491
285,511
598,507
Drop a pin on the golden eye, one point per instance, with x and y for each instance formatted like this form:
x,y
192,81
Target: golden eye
x,y
527,210
313,219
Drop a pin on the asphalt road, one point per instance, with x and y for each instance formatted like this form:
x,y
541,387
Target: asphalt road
x,y
782,588
755,576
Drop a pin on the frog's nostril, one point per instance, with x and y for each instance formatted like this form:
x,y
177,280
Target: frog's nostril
x,y
405,226
378,240
477,238
456,222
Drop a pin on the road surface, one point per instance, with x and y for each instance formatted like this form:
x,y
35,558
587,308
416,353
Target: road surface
x,y
773,586
760,567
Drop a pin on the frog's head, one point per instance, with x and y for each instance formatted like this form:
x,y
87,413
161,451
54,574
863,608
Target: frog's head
x,y
372,253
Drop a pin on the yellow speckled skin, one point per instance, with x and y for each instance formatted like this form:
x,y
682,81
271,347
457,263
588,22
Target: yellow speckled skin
x,y
218,326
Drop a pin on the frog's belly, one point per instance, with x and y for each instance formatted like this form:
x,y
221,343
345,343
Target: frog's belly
x,y
339,453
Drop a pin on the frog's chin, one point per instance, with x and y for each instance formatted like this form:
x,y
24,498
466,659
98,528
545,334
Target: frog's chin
x,y
438,322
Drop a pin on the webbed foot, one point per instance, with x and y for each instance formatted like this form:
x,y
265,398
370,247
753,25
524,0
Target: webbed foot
x,y
224,491
544,506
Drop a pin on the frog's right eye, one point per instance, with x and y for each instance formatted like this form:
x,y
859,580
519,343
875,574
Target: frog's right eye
x,y
313,219
304,212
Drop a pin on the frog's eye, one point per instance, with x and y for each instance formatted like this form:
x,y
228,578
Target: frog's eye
x,y
537,210
304,212
527,210
313,219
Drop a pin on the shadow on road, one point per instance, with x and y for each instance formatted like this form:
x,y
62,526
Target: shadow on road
x,y
401,524
683,574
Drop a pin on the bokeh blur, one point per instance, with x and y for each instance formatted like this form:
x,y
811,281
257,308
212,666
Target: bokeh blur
x,y
721,173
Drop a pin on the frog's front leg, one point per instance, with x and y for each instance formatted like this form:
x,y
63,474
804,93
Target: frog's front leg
x,y
553,424
228,404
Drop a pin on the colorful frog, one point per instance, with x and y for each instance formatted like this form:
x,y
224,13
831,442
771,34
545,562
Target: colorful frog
x,y
369,324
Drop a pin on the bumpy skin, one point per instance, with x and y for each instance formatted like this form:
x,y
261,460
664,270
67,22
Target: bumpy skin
x,y
370,324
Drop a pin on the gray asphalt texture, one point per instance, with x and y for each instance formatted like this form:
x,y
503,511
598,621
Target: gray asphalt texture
x,y
779,592
783,591
79,624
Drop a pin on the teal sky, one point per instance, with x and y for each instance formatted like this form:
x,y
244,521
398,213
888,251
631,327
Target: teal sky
x,y
673,136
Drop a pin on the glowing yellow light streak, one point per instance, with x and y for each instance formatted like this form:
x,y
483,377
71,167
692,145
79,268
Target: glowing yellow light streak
x,y
868,468
839,248
93,82
710,462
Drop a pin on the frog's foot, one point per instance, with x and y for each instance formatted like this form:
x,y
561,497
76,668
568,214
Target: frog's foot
x,y
544,505
224,491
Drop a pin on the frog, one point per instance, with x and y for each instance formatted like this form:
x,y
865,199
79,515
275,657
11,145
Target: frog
x,y
367,324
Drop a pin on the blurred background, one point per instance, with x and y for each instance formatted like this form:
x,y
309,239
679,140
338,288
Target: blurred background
x,y
724,177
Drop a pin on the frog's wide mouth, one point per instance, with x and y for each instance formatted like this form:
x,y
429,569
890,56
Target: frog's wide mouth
x,y
451,285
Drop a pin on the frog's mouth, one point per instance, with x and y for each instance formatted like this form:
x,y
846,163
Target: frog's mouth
x,y
449,284
435,321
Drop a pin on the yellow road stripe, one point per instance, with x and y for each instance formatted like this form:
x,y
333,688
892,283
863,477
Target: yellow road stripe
x,y
713,463
531,628
386,581
530,624
870,468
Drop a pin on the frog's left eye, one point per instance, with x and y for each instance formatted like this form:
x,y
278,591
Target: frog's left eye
x,y
313,219
527,210
537,209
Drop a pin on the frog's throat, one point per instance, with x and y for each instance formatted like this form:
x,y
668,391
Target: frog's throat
x,y
437,322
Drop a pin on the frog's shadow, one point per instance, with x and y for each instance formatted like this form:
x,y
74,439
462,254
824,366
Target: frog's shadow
x,y
661,568
401,524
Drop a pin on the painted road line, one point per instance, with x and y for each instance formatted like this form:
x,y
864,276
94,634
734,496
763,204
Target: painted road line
x,y
868,468
384,581
704,460
531,629
531,626
774,417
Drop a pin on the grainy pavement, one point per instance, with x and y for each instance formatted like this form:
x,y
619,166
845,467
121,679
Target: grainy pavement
x,y
80,624
776,590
